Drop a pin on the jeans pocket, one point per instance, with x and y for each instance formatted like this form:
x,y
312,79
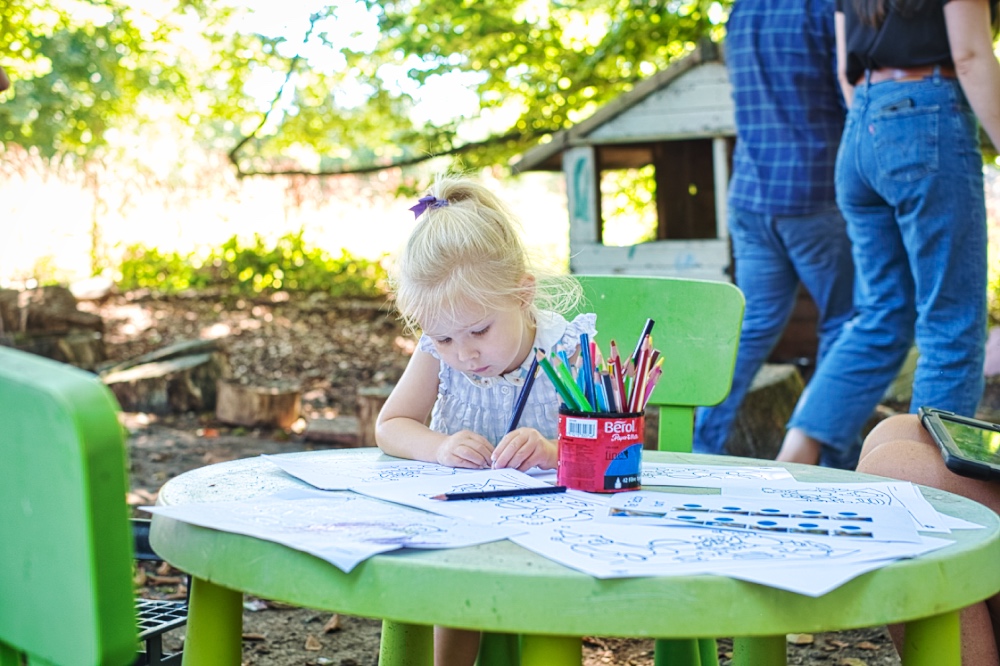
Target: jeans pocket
x,y
906,140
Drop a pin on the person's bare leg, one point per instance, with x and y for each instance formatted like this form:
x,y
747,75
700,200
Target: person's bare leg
x,y
455,647
900,448
798,447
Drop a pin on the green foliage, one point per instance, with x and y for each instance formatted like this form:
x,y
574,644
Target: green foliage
x,y
249,270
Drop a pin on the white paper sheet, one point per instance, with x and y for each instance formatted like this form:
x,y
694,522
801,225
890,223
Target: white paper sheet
x,y
706,476
525,510
340,472
341,528
875,523
890,493
613,551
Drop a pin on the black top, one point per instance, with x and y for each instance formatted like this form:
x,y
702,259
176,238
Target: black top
x,y
914,41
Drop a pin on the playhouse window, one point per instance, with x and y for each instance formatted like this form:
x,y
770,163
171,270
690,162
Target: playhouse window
x,y
657,191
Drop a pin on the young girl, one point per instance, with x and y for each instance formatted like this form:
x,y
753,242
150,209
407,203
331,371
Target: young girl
x,y
463,280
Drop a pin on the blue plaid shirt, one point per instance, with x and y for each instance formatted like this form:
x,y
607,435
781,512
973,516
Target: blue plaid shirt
x,y
781,57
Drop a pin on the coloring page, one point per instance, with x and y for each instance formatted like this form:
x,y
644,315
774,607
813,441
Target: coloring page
x,y
706,476
339,472
892,493
518,511
341,528
614,551
876,523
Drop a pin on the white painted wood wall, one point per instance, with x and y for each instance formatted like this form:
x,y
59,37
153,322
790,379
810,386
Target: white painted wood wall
x,y
697,104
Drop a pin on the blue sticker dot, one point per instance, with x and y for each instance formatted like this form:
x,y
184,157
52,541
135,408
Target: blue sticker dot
x,y
768,523
847,513
731,508
770,510
808,526
686,517
811,512
692,506
849,527
723,519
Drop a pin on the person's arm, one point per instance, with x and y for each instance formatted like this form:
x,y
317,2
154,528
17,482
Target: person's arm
x,y
400,429
4,81
847,87
968,24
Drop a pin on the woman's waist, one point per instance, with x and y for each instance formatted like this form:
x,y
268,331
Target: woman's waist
x,y
901,74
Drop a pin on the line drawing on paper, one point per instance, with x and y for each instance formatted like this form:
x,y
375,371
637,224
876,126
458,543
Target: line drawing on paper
x,y
838,495
712,546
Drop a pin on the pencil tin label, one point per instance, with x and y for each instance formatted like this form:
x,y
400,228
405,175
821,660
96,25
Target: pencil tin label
x,y
600,453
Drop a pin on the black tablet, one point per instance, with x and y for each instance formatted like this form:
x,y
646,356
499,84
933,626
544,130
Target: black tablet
x,y
970,447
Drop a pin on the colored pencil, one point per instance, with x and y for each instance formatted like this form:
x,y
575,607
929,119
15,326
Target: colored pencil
x,y
522,397
578,397
587,369
646,330
510,492
557,382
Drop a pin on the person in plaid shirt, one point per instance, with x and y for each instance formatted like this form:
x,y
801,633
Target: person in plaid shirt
x,y
783,218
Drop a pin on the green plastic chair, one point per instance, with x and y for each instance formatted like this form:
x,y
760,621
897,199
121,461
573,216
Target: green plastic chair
x,y
697,330
66,596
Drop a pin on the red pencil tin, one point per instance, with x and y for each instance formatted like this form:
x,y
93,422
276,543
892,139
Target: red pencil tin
x,y
600,452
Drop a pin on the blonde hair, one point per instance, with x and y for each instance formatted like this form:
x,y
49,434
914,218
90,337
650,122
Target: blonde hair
x,y
470,249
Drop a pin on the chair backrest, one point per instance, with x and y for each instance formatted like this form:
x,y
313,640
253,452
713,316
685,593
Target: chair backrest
x,y
66,595
697,330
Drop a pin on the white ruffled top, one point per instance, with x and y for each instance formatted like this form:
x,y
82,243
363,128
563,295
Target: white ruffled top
x,y
484,404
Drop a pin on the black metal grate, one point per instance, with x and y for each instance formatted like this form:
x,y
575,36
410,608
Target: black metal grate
x,y
156,617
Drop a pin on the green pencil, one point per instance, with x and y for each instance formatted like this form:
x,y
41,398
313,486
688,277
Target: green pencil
x,y
578,397
554,378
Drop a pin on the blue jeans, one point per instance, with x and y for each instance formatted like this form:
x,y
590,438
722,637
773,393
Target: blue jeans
x,y
773,254
910,184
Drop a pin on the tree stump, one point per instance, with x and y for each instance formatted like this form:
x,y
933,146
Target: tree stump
x,y
252,406
760,423
177,378
370,401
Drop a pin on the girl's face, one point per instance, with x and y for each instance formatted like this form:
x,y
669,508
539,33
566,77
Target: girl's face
x,y
481,341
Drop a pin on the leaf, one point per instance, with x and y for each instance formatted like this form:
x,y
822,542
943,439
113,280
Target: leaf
x,y
867,645
800,639
313,644
851,661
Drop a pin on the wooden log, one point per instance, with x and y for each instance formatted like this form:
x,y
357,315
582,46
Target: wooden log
x,y
760,423
253,406
180,384
342,430
370,401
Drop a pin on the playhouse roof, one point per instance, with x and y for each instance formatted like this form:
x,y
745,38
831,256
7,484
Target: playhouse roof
x,y
548,156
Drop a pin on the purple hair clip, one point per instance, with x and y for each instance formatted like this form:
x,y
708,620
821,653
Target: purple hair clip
x,y
429,201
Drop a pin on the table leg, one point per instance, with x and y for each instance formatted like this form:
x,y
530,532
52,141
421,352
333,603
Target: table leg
x,y
760,651
684,652
497,649
933,641
406,644
214,635
551,650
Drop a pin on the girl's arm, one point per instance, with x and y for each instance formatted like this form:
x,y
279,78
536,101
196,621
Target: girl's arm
x,y
968,24
401,431
847,87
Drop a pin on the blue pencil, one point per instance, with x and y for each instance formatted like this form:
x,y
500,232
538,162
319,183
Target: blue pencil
x,y
522,397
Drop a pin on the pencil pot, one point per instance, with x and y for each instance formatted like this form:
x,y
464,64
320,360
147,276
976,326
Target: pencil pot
x,y
600,452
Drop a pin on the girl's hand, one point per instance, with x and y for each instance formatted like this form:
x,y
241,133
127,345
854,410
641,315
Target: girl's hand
x,y
465,449
523,449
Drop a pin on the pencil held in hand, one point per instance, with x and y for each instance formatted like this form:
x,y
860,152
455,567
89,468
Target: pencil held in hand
x,y
522,397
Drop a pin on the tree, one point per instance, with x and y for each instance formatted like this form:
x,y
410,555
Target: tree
x,y
84,72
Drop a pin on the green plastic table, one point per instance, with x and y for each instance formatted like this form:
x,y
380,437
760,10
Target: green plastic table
x,y
501,587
